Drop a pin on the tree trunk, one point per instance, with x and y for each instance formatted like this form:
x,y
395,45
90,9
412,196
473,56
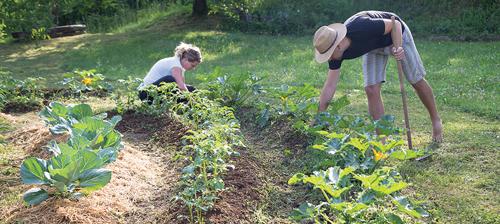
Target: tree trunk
x,y
55,11
200,7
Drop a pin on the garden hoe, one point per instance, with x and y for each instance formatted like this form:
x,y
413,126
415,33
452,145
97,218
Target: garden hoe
x,y
401,83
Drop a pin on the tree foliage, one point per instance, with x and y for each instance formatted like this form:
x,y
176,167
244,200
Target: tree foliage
x,y
25,15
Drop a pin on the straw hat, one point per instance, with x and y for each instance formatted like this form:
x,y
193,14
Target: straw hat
x,y
326,40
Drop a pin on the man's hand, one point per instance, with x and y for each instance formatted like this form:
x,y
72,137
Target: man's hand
x,y
312,123
399,53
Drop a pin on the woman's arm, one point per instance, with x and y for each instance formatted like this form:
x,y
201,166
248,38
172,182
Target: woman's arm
x,y
179,79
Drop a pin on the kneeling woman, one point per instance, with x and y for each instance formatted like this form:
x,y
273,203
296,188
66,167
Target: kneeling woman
x,y
187,57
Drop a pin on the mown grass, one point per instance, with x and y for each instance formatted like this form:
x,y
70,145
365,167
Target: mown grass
x,y
459,184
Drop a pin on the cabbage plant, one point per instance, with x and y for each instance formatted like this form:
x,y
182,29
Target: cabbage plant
x,y
65,173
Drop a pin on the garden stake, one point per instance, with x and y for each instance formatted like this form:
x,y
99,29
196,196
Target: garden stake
x,y
401,82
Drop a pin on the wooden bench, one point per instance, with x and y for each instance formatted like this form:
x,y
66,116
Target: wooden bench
x,y
58,31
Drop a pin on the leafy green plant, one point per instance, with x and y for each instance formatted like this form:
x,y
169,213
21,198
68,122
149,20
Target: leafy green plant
x,y
2,127
295,103
125,99
80,81
66,174
232,89
20,91
76,165
377,189
216,133
65,118
160,98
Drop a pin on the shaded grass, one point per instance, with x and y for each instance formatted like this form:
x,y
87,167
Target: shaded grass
x,y
459,184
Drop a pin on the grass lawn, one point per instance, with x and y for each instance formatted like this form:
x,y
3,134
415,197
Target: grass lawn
x,y
458,184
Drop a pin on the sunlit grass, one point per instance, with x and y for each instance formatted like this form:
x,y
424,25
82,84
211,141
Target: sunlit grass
x,y
458,184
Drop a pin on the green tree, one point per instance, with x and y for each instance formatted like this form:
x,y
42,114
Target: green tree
x,y
26,15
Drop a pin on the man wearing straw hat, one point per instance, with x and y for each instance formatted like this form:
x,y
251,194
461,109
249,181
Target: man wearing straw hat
x,y
368,34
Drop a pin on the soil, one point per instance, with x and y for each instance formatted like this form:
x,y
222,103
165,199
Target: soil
x,y
232,206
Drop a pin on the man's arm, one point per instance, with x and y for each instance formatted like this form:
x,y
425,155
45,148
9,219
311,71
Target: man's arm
x,y
398,53
328,91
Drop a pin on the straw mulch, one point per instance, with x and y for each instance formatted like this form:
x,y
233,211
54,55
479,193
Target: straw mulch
x,y
134,177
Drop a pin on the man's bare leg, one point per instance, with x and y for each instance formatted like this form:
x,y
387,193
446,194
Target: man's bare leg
x,y
375,103
426,95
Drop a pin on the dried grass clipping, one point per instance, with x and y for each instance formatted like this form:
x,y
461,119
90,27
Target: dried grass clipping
x,y
35,137
134,176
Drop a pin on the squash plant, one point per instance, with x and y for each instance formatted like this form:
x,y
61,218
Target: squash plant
x,y
295,103
80,81
339,207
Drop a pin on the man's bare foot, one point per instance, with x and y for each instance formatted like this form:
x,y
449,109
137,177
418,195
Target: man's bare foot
x,y
437,130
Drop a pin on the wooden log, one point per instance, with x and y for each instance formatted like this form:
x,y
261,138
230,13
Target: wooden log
x,y
57,31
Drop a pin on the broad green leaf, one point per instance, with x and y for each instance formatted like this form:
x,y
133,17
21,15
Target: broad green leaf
x,y
352,160
67,75
52,147
77,195
109,87
112,139
82,126
335,192
67,174
356,208
66,149
394,219
356,142
89,160
108,155
335,174
50,117
35,196
95,179
189,169
313,130
333,146
60,186
59,109
405,206
114,120
82,110
382,184
79,143
59,129
339,103
335,135
306,211
32,171
296,178
367,163
60,161
319,141
367,198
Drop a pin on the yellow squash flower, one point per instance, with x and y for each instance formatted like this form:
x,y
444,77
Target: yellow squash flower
x,y
87,81
285,99
378,155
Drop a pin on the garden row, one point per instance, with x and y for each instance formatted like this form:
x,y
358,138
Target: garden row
x,y
357,175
